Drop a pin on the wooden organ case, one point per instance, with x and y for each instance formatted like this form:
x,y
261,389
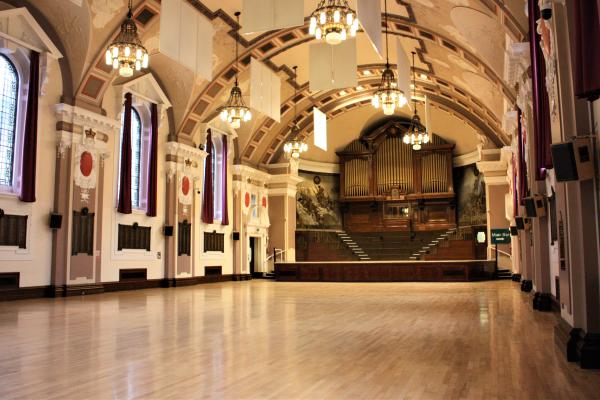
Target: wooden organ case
x,y
385,186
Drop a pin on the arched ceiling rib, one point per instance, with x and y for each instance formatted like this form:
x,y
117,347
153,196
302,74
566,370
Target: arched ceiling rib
x,y
444,48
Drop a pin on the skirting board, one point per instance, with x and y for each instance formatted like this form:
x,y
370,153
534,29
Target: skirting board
x,y
80,290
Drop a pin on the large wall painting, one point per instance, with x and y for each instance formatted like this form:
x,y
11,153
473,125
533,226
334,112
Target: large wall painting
x,y
470,190
317,205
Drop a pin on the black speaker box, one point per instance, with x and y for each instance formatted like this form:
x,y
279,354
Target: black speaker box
x,y
535,206
514,231
573,160
168,230
520,224
55,221
236,236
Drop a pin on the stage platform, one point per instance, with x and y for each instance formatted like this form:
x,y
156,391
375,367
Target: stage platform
x,y
385,271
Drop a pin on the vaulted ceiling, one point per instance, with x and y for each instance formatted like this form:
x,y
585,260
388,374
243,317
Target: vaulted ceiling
x,y
461,60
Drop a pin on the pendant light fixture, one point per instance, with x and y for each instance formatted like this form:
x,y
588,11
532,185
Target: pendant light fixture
x,y
236,111
334,21
416,135
126,52
295,146
388,96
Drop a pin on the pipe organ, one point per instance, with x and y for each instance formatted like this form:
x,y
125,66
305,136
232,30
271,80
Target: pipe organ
x,y
380,175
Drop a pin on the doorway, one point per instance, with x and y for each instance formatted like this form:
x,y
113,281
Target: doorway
x,y
251,256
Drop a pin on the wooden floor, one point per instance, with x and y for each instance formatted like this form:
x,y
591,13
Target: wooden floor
x,y
262,339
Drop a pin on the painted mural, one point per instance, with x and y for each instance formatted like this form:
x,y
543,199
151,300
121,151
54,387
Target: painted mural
x,y
317,205
470,190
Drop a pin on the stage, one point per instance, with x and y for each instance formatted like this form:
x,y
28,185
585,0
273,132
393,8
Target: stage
x,y
385,271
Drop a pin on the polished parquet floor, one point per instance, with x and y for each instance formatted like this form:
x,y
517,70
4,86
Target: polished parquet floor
x,y
262,339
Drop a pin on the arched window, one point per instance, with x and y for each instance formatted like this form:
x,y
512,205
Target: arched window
x,y
217,170
9,94
136,157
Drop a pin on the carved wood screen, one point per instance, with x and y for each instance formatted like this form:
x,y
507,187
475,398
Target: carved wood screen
x,y
13,230
82,241
184,239
134,237
214,241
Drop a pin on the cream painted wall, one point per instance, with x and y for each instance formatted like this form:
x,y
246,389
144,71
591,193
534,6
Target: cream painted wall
x,y
113,260
34,263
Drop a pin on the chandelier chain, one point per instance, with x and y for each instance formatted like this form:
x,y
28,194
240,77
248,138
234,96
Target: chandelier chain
x,y
237,39
387,46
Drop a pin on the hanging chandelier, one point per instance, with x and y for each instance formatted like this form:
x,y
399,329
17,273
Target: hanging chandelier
x,y
295,146
126,52
388,96
333,20
416,135
236,111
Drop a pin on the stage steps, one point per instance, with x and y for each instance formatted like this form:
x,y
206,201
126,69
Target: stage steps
x,y
388,246
353,246
432,246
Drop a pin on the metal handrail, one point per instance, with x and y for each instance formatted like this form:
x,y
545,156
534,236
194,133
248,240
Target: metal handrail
x,y
501,251
276,252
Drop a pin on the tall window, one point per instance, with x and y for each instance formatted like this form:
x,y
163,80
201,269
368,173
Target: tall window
x,y
217,160
136,157
9,89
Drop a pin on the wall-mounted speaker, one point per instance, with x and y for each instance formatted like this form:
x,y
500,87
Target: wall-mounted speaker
x,y
519,223
523,224
168,230
55,221
535,206
236,236
514,231
573,160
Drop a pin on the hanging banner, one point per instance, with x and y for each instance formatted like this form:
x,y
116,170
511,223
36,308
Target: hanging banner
x,y
369,17
186,36
265,90
266,15
404,71
332,67
320,129
428,115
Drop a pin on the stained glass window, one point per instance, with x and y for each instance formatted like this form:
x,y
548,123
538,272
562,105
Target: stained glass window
x,y
9,87
136,157
217,181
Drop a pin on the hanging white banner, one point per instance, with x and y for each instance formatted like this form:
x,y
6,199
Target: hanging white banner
x,y
266,15
265,90
186,36
369,17
320,129
332,67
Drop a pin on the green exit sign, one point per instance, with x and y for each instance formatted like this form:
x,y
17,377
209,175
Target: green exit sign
x,y
500,236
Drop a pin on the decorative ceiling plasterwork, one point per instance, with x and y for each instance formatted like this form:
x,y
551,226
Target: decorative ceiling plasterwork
x,y
337,104
440,54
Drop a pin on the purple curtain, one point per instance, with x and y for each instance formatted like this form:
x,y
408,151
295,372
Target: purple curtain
x,y
542,133
208,200
587,43
153,162
124,204
30,134
225,219
522,187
